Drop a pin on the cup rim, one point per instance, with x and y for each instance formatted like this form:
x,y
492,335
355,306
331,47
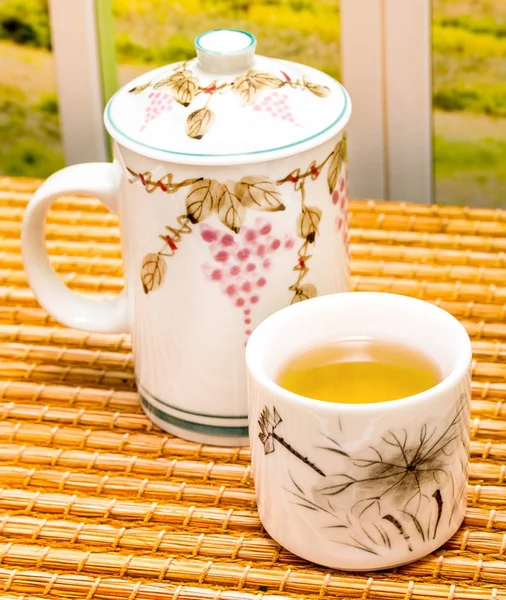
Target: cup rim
x,y
254,353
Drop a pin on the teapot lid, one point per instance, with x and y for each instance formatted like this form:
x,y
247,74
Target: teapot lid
x,y
227,106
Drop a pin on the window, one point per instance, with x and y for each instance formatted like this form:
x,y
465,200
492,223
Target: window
x,y
426,78
157,32
469,61
29,127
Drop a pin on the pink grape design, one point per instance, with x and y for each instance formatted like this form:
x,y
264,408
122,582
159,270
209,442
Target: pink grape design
x,y
276,105
160,102
340,200
241,262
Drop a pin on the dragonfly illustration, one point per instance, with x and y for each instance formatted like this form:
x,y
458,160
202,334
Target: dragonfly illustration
x,y
268,422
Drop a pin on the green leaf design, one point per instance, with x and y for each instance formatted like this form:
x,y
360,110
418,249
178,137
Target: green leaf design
x,y
152,272
339,156
304,292
247,87
199,123
308,222
185,90
322,91
261,79
230,210
173,79
259,193
202,199
139,88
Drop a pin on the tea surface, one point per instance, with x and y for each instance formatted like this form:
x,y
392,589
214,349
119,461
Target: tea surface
x,y
359,371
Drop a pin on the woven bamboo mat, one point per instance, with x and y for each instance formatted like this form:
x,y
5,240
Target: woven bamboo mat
x,y
97,503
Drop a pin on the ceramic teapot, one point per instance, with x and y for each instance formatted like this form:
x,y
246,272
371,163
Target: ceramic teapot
x,y
230,182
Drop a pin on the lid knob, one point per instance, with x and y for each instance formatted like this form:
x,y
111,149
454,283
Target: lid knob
x,y
225,51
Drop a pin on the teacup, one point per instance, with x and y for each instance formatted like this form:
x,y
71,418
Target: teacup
x,y
360,486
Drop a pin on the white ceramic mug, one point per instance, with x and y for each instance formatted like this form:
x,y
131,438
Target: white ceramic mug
x,y
360,486
230,182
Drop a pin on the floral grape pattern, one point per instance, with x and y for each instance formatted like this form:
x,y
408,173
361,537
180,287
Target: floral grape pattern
x,y
184,87
276,105
340,200
242,263
230,201
161,102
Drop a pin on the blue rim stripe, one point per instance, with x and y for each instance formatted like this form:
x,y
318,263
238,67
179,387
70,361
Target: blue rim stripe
x,y
194,427
145,392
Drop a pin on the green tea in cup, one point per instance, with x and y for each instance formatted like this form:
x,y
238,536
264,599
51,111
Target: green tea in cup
x,y
359,371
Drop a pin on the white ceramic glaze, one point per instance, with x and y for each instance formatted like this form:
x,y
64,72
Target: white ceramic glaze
x,y
371,486
209,250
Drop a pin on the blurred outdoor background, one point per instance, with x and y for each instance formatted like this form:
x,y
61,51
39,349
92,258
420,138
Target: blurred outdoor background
x,y
469,66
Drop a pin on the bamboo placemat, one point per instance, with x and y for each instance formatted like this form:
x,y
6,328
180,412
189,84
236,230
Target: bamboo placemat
x,y
97,503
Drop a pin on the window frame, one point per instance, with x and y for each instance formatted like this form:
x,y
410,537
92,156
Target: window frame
x,y
86,74
386,50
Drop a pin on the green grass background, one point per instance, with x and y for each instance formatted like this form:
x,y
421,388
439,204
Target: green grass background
x,y
469,55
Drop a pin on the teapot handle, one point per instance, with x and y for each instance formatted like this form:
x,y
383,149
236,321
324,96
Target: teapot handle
x,y
106,316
